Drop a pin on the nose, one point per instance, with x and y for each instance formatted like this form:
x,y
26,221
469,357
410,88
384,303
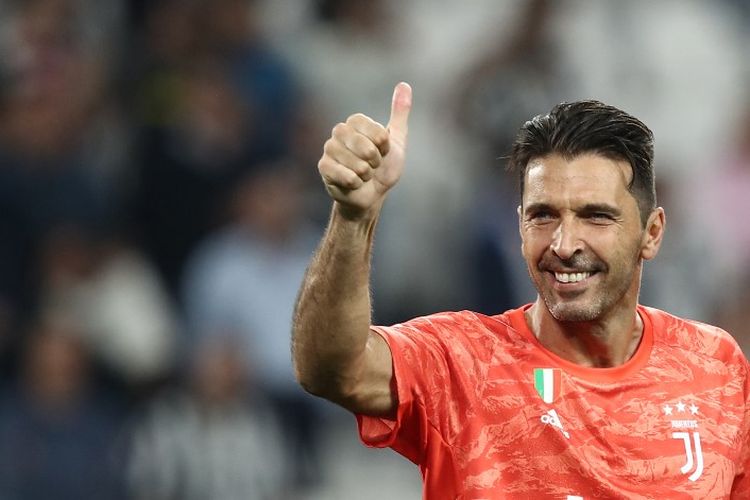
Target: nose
x,y
566,240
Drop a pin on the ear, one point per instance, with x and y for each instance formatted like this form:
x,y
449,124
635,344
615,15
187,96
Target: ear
x,y
653,234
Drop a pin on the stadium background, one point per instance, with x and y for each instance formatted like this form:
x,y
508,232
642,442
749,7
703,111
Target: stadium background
x,y
159,201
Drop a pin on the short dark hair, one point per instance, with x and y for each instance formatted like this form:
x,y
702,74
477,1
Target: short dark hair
x,y
576,128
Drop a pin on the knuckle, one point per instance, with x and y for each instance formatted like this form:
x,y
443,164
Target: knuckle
x,y
381,137
373,155
369,151
383,145
365,172
329,147
323,165
352,180
361,168
356,118
338,129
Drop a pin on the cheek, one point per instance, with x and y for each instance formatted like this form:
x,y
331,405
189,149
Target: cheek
x,y
622,249
532,248
608,237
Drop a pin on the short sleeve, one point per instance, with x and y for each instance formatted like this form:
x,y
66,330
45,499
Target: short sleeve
x,y
427,373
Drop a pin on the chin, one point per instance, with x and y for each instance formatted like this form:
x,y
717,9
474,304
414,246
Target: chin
x,y
574,312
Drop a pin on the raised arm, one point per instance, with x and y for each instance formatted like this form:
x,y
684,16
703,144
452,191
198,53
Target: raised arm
x,y
336,354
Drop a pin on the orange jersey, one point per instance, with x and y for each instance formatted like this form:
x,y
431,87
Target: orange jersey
x,y
488,413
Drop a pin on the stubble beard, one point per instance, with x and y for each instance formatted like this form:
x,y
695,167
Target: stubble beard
x,y
582,309
573,313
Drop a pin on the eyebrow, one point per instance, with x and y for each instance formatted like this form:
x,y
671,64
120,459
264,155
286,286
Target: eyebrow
x,y
589,208
538,207
592,208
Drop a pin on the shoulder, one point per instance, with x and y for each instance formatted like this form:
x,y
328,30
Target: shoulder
x,y
456,323
455,332
702,339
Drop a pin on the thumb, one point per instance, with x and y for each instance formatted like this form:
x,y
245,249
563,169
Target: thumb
x,y
398,125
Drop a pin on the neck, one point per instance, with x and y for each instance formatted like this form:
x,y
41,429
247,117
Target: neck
x,y
603,343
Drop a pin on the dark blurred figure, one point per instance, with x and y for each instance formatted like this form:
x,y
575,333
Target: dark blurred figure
x,y
57,433
521,78
214,101
340,35
214,438
243,279
62,140
125,315
741,11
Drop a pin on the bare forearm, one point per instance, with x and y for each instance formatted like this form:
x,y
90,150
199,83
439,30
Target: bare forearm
x,y
335,354
333,313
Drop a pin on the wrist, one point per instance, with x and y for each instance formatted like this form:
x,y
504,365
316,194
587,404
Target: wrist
x,y
353,226
366,217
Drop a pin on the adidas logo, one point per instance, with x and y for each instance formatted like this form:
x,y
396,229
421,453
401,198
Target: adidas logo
x,y
553,419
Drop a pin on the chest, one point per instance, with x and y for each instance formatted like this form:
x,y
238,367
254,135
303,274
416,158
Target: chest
x,y
546,433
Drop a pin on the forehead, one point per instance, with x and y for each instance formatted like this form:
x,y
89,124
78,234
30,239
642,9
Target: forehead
x,y
588,178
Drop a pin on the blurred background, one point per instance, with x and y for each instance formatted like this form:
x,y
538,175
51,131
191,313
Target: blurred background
x,y
159,202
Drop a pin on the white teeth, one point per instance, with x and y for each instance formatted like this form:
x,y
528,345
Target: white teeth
x,y
571,277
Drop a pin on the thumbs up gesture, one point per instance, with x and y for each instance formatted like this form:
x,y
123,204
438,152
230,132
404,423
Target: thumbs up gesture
x,y
363,159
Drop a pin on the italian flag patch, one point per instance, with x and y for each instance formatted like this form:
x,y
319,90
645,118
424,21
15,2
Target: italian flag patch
x,y
547,383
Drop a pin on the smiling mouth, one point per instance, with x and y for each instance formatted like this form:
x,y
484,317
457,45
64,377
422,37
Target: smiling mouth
x,y
572,277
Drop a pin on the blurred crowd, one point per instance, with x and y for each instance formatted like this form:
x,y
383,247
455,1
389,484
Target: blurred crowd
x,y
159,202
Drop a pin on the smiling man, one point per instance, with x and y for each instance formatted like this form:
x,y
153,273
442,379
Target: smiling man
x,y
583,394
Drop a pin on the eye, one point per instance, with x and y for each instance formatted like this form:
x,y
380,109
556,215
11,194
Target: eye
x,y
540,216
601,217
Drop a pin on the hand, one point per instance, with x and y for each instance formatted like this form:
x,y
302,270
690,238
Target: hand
x,y
363,160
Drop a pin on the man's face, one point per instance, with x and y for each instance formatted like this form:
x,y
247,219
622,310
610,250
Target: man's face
x,y
582,236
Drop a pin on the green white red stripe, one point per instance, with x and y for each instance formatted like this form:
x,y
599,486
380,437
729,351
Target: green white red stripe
x,y
547,383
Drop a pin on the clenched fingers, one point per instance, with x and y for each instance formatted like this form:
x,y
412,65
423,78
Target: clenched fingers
x,y
371,129
339,176
360,145
345,157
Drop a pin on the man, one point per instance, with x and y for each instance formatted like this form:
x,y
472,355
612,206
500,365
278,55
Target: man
x,y
582,394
